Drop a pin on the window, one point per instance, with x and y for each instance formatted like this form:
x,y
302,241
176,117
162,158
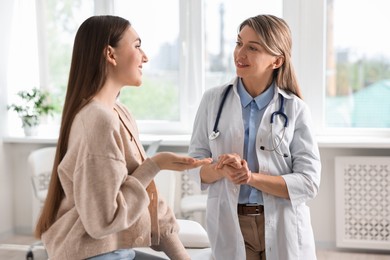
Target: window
x,y
156,103
190,48
358,64
342,64
23,55
58,22
42,38
221,22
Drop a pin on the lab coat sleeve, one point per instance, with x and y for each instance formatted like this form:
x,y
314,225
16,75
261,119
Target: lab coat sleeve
x,y
199,145
303,183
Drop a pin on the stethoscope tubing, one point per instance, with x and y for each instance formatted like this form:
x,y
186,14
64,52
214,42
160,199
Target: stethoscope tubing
x,y
215,133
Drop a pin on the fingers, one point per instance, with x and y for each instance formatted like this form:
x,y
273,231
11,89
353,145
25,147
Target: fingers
x,y
185,163
202,162
193,163
172,161
238,176
232,160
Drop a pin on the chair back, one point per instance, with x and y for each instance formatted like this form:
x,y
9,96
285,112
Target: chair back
x,y
41,163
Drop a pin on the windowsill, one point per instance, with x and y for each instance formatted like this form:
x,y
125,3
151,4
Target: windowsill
x,y
368,142
167,140
184,140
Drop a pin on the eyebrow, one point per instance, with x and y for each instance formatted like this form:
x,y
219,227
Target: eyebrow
x,y
255,42
138,39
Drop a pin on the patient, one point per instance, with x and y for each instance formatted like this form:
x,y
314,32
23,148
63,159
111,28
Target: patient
x,y
102,200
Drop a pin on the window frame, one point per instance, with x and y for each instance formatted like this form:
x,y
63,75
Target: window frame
x,y
304,18
308,18
307,21
191,71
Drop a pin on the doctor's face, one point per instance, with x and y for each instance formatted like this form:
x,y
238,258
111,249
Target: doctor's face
x,y
251,59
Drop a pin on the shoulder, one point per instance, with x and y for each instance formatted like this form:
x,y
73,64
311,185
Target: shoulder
x,y
96,122
217,92
97,116
292,99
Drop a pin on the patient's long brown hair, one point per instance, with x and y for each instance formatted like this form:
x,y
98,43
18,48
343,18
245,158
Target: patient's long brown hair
x,y
87,76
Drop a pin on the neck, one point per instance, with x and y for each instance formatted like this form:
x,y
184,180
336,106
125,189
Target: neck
x,y
256,86
107,95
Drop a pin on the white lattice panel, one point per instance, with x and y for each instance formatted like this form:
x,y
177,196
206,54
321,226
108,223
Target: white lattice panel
x,y
363,202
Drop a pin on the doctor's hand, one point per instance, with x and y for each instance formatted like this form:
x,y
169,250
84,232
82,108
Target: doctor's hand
x,y
231,159
175,162
236,175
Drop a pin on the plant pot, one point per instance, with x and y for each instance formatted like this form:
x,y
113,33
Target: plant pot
x,y
30,125
30,130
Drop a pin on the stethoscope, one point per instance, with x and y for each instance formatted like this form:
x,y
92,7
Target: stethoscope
x,y
275,144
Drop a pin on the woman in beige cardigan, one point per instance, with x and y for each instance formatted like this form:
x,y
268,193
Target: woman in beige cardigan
x,y
102,200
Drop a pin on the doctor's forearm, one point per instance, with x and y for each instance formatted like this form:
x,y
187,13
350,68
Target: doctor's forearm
x,y
274,185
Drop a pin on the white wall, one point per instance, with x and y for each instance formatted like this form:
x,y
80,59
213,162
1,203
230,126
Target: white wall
x,y
6,187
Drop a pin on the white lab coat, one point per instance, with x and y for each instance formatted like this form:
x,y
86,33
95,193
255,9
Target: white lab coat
x,y
288,231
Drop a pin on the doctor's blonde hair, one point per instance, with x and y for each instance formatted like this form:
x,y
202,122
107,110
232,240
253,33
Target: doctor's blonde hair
x,y
275,38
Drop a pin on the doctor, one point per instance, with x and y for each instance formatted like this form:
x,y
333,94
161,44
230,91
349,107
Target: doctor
x,y
257,130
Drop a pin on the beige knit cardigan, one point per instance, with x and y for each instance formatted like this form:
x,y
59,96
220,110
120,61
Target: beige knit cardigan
x,y
111,201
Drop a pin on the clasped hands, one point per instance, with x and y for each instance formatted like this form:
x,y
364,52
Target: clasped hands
x,y
235,169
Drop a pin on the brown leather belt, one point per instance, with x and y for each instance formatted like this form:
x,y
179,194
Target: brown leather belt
x,y
250,209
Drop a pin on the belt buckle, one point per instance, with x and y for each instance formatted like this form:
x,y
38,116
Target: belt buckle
x,y
253,205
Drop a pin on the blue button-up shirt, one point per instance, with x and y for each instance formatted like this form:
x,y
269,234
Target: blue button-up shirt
x,y
252,113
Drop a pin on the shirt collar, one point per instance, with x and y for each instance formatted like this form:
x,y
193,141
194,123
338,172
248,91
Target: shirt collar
x,y
261,100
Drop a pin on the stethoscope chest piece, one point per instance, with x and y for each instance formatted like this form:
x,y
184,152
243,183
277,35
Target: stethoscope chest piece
x,y
214,135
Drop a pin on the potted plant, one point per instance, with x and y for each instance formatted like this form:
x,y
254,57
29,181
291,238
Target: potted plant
x,y
33,105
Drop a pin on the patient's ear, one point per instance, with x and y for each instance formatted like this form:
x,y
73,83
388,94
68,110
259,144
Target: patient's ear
x,y
109,55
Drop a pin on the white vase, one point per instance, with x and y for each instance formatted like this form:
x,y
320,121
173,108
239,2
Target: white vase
x,y
30,130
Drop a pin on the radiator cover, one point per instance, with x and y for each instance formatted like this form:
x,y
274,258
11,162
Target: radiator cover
x,y
363,202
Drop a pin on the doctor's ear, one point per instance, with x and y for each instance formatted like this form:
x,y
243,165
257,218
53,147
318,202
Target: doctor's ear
x,y
278,62
109,55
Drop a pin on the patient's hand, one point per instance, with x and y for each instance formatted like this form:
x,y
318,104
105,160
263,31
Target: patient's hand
x,y
175,162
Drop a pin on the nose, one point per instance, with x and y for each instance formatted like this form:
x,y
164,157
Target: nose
x,y
144,57
240,52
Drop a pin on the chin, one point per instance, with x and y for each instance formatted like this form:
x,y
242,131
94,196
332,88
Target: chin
x,y
135,83
239,74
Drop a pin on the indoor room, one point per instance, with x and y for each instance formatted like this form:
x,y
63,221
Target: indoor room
x,y
327,157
